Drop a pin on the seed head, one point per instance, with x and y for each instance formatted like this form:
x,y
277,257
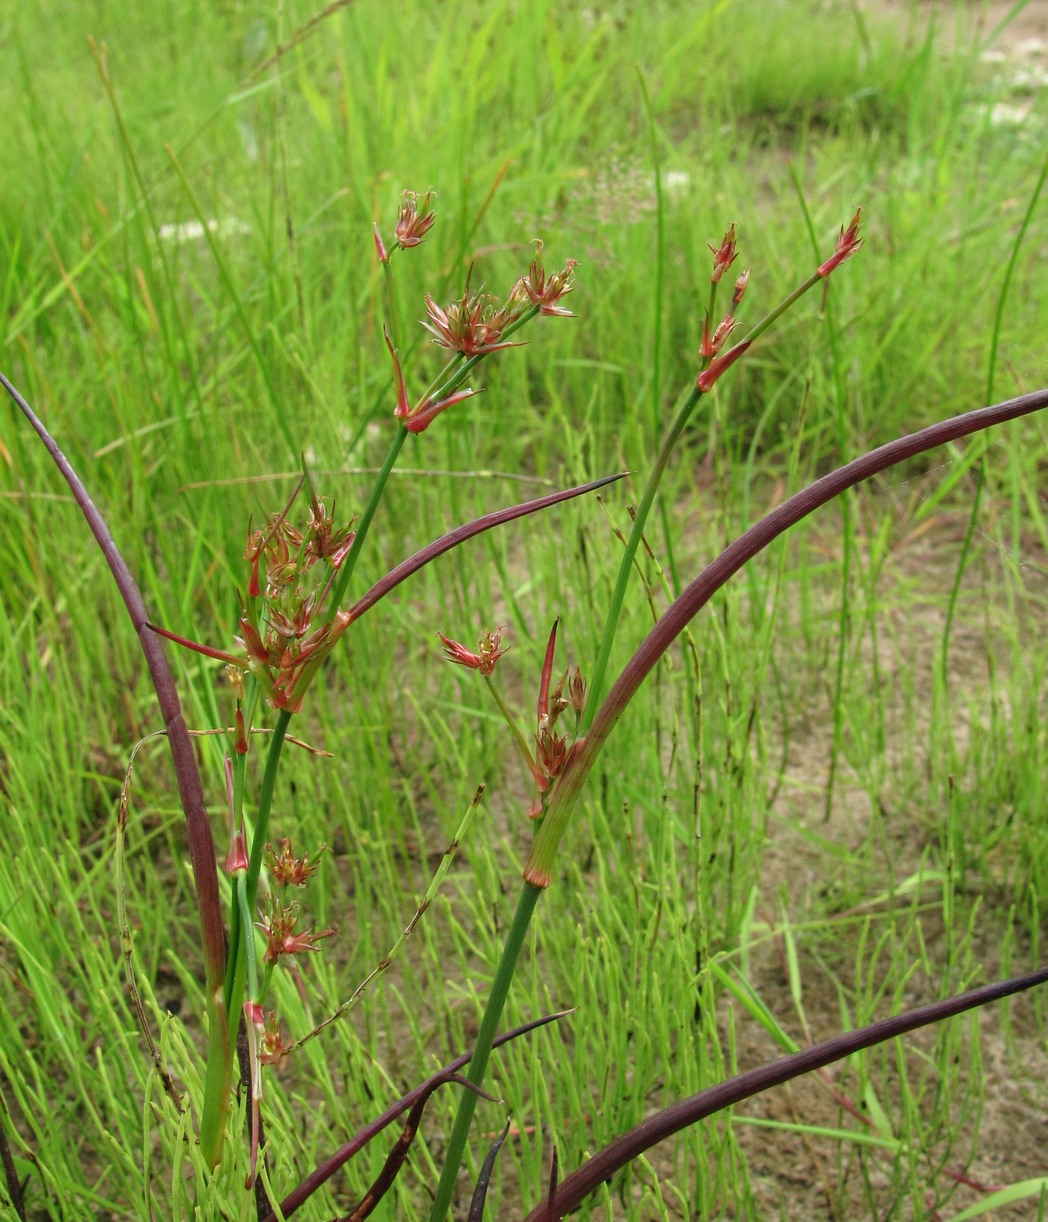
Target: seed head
x,y
281,938
711,344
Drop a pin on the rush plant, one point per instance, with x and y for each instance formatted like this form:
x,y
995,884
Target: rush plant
x,y
299,600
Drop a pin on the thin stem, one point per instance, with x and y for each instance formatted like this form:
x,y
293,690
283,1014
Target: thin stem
x,y
596,682
511,721
529,897
249,937
364,525
596,679
236,975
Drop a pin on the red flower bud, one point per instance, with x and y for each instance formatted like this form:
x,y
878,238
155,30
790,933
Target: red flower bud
x,y
847,244
380,248
725,255
716,367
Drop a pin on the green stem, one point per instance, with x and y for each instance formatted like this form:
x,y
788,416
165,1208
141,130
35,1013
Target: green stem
x,y
596,682
364,525
482,1051
511,721
216,1088
611,624
249,937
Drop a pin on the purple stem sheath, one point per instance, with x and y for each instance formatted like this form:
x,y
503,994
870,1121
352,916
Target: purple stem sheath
x,y
191,792
572,1191
679,614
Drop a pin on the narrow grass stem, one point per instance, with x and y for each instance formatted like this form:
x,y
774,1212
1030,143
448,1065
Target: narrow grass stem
x,y
529,897
511,721
364,525
596,679
216,1092
248,943
236,975
391,303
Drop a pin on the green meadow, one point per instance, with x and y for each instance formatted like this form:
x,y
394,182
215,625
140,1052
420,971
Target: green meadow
x,y
827,802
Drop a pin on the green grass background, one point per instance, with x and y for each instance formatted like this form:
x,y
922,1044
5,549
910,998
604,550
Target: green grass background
x,y
819,795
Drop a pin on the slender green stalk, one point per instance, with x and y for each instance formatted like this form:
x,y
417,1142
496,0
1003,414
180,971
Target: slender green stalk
x,y
236,977
249,938
216,1092
511,721
721,363
364,525
980,478
596,679
529,897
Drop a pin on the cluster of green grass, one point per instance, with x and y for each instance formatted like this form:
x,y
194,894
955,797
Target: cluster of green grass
x,y
820,773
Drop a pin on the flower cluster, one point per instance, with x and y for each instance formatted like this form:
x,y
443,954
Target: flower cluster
x,y
553,749
474,325
545,291
287,638
847,244
286,869
723,257
483,659
271,1045
415,219
281,939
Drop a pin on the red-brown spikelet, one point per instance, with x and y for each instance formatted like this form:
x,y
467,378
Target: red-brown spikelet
x,y
712,344
426,412
403,408
288,870
473,325
483,659
543,290
415,218
724,255
281,938
719,364
847,244
272,1046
